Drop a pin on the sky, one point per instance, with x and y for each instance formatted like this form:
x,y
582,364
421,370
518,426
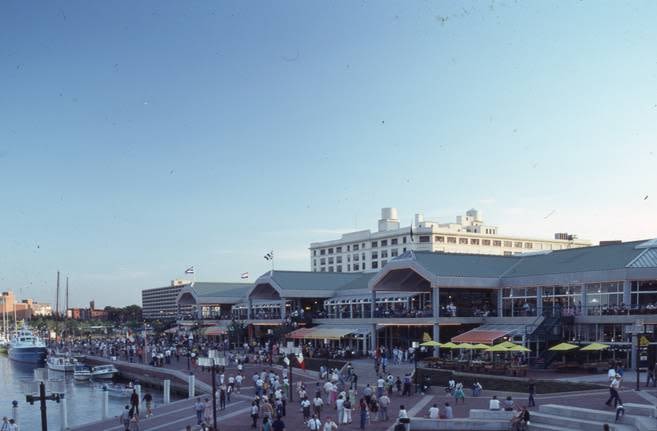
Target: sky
x,y
140,138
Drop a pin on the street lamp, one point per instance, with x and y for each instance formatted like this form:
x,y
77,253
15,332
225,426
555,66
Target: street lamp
x,y
213,363
30,397
416,346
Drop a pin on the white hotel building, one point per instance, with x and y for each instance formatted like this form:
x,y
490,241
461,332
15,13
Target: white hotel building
x,y
370,251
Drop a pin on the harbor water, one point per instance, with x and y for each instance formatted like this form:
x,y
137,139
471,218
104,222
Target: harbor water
x,y
84,398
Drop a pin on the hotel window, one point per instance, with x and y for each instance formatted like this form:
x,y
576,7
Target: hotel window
x,y
348,258
348,267
338,249
314,262
322,252
338,259
439,239
474,241
356,267
517,244
355,257
425,238
497,243
404,240
375,264
364,266
330,269
330,260
362,255
451,240
384,243
322,261
384,253
330,251
463,240
338,268
355,247
375,255
375,244
394,241
323,269
507,253
404,249
508,244
485,242
314,252
529,245
393,252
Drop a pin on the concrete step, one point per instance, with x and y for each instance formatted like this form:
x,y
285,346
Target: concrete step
x,y
544,427
642,423
576,423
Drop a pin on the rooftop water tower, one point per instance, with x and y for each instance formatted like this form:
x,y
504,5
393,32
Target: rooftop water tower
x,y
389,219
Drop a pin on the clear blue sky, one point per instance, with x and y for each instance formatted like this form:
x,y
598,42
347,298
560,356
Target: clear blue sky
x,y
138,138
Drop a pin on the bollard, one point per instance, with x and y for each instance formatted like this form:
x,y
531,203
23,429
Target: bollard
x,y
138,390
14,410
105,408
191,385
63,412
167,391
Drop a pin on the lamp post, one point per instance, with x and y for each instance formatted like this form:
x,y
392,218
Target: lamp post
x,y
416,346
42,398
288,362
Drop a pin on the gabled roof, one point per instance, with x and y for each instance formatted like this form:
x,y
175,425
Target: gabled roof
x,y
360,283
465,265
646,259
207,289
584,259
309,280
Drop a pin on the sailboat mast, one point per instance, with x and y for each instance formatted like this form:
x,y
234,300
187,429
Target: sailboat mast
x,y
66,309
57,297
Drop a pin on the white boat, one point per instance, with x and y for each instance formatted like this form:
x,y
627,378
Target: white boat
x,y
117,390
60,363
103,371
27,347
81,372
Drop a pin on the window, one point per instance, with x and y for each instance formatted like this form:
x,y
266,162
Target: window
x,y
497,243
322,252
348,248
393,252
404,240
384,243
393,241
451,240
330,251
348,267
384,253
338,249
507,253
323,269
322,261
356,267
338,259
439,239
355,257
474,241
348,258
355,247
338,268
383,262
330,260
375,264
375,244
314,252
425,238
375,254
517,244
330,269
463,240
529,245
508,243
364,266
485,242
362,255
404,249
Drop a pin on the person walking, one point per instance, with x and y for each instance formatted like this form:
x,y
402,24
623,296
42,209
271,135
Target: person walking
x,y
384,402
124,419
532,392
314,424
317,405
363,413
614,387
278,425
199,409
329,425
222,397
459,394
254,414
5,424
403,417
339,405
148,400
134,422
207,413
266,424
134,402
346,418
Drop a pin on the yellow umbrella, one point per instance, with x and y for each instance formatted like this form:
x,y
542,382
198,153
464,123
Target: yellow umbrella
x,y
431,343
498,348
480,347
450,345
506,344
594,347
563,347
518,348
466,346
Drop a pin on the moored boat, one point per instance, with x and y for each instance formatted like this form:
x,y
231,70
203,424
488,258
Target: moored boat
x,y
81,372
27,347
60,363
103,371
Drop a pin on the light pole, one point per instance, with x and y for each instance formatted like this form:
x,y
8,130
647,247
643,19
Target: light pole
x,y
42,398
416,346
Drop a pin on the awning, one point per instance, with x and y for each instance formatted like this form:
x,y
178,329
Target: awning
x,y
257,305
324,332
171,330
487,334
367,299
213,331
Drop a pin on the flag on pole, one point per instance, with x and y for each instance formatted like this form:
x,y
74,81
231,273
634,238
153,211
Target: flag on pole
x,y
270,255
244,275
189,270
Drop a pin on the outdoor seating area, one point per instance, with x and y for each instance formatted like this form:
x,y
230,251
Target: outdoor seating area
x,y
505,358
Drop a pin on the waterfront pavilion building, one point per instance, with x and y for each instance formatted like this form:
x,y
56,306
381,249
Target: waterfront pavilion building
x,y
211,301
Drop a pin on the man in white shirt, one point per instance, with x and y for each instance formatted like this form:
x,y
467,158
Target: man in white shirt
x,y
317,405
384,402
379,386
494,403
339,405
329,425
434,412
314,424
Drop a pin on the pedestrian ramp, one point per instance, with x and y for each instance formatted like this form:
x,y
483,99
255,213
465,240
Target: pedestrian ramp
x,y
553,417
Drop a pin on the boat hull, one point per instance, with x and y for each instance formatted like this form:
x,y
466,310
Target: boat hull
x,y
28,354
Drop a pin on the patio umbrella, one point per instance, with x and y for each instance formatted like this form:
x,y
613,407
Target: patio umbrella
x,y
594,347
480,347
466,346
498,348
431,343
518,348
563,347
450,345
506,344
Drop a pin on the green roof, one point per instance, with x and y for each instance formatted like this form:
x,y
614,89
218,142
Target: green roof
x,y
361,282
309,280
226,290
465,265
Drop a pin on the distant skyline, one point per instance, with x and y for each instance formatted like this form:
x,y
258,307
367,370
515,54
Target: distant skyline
x,y
138,139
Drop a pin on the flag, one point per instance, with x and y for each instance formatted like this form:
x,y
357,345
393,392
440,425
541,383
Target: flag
x,y
244,275
270,255
411,233
189,270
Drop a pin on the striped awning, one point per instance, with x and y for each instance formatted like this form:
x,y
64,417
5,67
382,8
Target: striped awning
x,y
479,336
323,332
213,331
